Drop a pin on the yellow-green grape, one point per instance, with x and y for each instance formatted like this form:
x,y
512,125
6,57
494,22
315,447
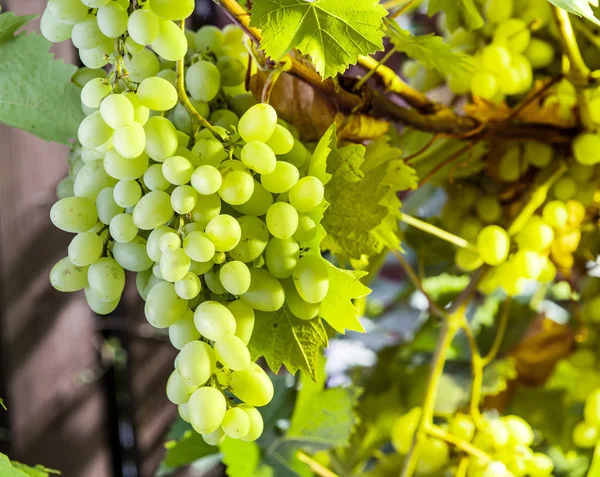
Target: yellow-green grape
x,y
498,10
74,214
311,278
171,42
177,170
106,278
493,245
178,392
462,427
236,423
307,229
189,286
161,138
93,131
122,228
265,292
514,34
237,186
53,29
203,80
184,199
495,469
489,209
564,188
232,353
281,256
484,85
586,148
282,220
307,194
256,423
232,70
214,321
153,210
163,306
112,19
297,305
520,431
198,246
122,168
404,430
244,319
255,237
512,165
196,363
434,456
591,411
209,152
91,179
142,65
98,306
585,435
183,331
253,386
66,277
143,26
206,179
207,208
224,232
258,123
157,94
258,204
528,264
535,235
85,249
556,214
106,206
235,277
259,157
282,141
548,273
540,465
95,91
207,407
172,9
540,53
214,438
538,154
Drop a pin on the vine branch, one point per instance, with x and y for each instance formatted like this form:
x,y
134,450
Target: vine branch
x,y
461,444
437,232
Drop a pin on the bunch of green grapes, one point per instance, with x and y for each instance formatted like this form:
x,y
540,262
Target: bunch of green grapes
x,y
218,227
586,433
505,440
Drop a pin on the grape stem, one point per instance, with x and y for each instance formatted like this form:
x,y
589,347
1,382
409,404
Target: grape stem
x,y
317,468
499,336
578,71
461,444
198,119
595,466
437,232
272,78
477,374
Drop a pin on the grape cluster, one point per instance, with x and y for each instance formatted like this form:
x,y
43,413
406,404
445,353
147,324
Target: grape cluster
x,y
505,440
217,223
586,433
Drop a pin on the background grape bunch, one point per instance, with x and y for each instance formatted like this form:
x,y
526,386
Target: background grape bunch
x,y
217,223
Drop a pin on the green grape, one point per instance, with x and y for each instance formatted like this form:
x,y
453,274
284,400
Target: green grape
x,y
169,242
74,214
540,465
207,407
235,277
462,427
95,91
91,179
495,58
237,186
53,29
484,85
172,9
154,179
214,438
154,239
177,170
495,469
67,11
64,188
143,26
214,321
298,155
404,430
127,193
85,249
591,411
219,258
199,247
493,245
206,179
132,256
236,423
209,38
528,264
498,10
282,141
117,111
259,157
232,71
282,256
183,331
307,229
256,423
98,306
130,142
311,278
244,319
297,305
153,210
258,204
211,277
184,414
106,206
178,391
281,179
66,277
512,165
252,386
548,273
163,306
585,435
224,231
203,80
514,34
132,47
196,363
241,103
556,214
106,278
254,239
142,65
189,286
96,57
540,53
209,151
489,209
434,456
174,265
232,353
124,169
93,131
207,208
564,188
171,43
282,220
307,194
586,148
258,123
538,154
157,94
535,235
84,75
265,292
520,431
467,260
122,228
112,19
183,199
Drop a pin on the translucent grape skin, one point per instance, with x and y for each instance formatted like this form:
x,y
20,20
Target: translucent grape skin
x,y
265,292
493,245
235,277
66,277
85,249
244,319
74,214
214,321
258,123
207,407
252,386
233,353
311,278
236,423
195,363
106,278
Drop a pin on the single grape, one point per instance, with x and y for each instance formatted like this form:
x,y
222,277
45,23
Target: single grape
x,y
130,142
132,256
157,94
591,410
153,210
224,231
177,170
143,26
172,9
127,193
282,220
67,277
142,65
183,331
282,256
183,199
236,423
209,39
540,53
484,85
512,165
53,29
258,123
282,179
256,423
214,438
85,249
232,71
493,245
404,429
586,148
98,306
68,11
311,278
207,208
178,391
307,229
307,194
95,91
214,321
252,386
585,435
196,363
297,305
206,180
209,151
237,186
207,407
258,204
254,239
106,206
189,286
514,34
112,19
244,319
467,260
232,353
556,214
122,228
163,306
74,214
520,431
121,168
171,43
154,179
203,80
265,292
93,131
489,209
528,263
174,265
259,157
434,457
235,277
106,278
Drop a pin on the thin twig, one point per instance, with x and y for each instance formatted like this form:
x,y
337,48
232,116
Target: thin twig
x,y
444,163
463,466
418,284
477,375
402,10
461,444
317,468
499,337
373,70
427,145
518,109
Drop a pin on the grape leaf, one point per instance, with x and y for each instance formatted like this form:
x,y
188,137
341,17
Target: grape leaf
x,y
184,447
283,339
243,459
10,23
431,51
459,13
16,469
36,94
333,32
581,8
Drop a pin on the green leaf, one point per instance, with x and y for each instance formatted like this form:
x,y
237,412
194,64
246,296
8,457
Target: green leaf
x,y
581,8
318,161
36,93
184,447
2,405
445,287
431,51
283,339
337,308
497,375
10,23
334,33
16,469
459,13
243,459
